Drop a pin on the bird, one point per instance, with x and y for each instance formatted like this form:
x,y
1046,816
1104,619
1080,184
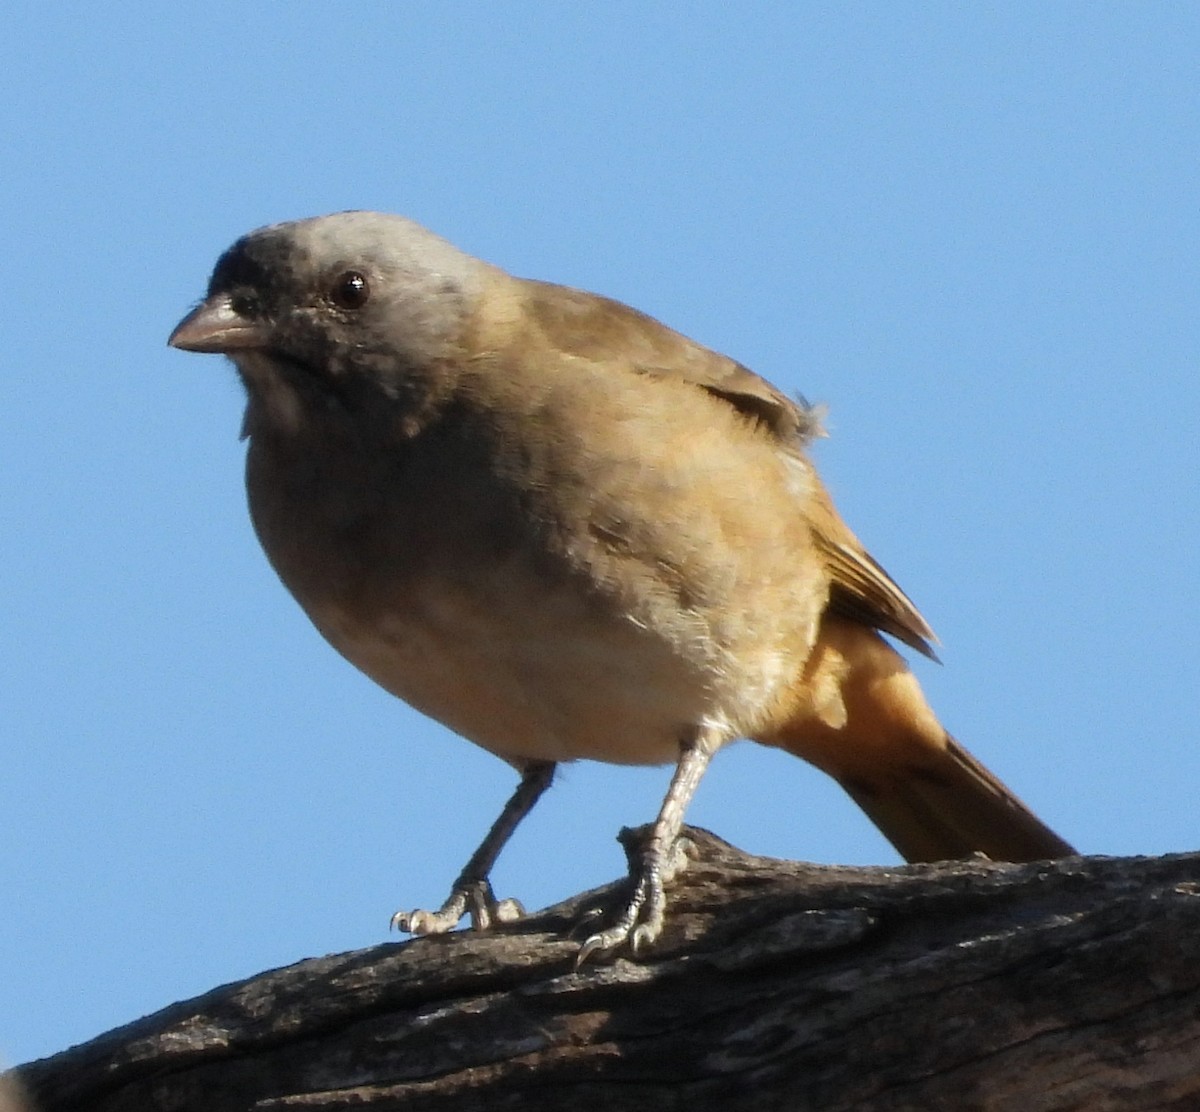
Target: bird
x,y
567,532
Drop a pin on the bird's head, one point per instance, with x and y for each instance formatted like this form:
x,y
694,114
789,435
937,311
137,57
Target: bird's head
x,y
307,307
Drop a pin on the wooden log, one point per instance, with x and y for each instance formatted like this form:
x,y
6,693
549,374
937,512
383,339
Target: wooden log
x,y
1070,985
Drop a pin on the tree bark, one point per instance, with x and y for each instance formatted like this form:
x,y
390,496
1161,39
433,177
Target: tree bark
x,y
776,985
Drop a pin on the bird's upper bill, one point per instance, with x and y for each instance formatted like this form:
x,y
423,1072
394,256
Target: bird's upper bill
x,y
216,326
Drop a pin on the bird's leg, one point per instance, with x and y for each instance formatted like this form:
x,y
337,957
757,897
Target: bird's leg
x,y
472,892
661,859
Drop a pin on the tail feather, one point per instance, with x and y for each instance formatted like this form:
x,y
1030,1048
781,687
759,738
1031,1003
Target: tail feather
x,y
950,806
858,713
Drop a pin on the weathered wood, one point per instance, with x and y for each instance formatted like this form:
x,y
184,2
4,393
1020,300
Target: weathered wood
x,y
962,986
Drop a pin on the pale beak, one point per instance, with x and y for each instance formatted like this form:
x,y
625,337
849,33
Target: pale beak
x,y
215,326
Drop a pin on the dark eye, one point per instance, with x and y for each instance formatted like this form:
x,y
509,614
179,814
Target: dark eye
x,y
350,290
244,305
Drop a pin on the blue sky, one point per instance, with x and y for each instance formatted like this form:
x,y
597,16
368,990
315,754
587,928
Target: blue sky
x,y
970,229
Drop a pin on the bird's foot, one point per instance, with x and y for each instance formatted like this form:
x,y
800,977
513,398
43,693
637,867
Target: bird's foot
x,y
641,921
468,897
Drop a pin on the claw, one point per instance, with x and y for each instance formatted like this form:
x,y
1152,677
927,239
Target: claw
x,y
603,943
641,921
642,938
423,922
472,898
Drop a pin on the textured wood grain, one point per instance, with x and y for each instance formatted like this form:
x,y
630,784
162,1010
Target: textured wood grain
x,y
971,985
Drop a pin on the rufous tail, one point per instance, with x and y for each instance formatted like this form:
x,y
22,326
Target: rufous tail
x,y
858,714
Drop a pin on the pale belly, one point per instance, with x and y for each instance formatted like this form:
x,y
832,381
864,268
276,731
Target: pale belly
x,y
554,680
